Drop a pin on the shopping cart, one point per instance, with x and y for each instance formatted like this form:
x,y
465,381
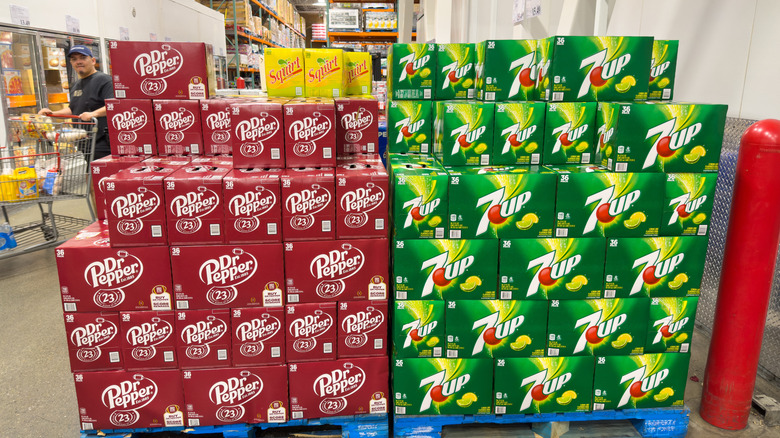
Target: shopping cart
x,y
46,160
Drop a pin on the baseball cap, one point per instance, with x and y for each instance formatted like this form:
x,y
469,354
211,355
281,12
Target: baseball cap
x,y
84,50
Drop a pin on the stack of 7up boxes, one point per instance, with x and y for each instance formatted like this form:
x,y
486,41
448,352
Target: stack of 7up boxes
x,y
550,211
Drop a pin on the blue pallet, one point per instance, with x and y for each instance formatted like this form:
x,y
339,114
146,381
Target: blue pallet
x,y
352,426
650,423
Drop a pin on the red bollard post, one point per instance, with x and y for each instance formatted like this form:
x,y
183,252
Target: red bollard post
x,y
746,279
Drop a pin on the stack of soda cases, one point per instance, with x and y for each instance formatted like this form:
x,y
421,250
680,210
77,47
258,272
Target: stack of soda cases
x,y
248,285
550,225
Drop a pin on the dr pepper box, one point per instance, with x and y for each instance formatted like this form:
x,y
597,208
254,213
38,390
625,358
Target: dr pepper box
x,y
203,338
215,123
357,125
308,210
131,126
102,168
331,270
258,133
94,277
236,395
93,341
128,399
362,328
148,340
339,387
193,197
178,127
253,210
310,132
258,336
213,276
162,70
311,331
361,201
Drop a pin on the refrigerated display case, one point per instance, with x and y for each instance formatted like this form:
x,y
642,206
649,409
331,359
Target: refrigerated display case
x,y
21,73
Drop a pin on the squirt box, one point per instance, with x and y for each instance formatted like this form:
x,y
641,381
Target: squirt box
x,y
357,71
357,125
129,399
253,210
132,127
236,395
102,168
352,386
258,335
308,204
257,134
93,341
324,73
193,197
311,331
647,381
178,127
148,340
284,74
310,132
362,328
203,338
362,198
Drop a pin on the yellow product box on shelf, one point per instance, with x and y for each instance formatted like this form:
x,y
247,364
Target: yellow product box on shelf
x,y
358,72
325,73
284,74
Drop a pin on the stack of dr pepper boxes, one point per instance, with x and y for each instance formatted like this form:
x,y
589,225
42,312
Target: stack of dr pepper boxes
x,y
244,285
550,224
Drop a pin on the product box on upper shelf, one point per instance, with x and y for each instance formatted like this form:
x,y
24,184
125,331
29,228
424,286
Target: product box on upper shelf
x,y
102,168
257,134
311,331
506,70
518,133
663,69
253,211
308,204
284,74
455,71
131,125
411,71
162,70
410,126
93,341
357,125
203,338
215,121
362,198
178,127
358,68
193,196
324,73
258,335
362,328
148,340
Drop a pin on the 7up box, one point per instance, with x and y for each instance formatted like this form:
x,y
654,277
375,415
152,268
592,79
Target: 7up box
x,y
587,68
670,326
597,327
662,70
688,204
442,386
324,73
518,133
410,71
593,202
506,70
284,72
454,71
543,385
496,329
647,381
358,72
662,137
569,133
419,194
502,202
555,269
654,266
418,328
437,269
463,133
409,126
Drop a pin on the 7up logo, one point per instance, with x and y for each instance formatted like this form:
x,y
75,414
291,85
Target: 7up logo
x,y
567,135
500,209
684,206
407,129
667,327
416,333
658,70
516,136
641,384
668,141
596,330
454,74
549,273
418,210
654,269
541,387
465,137
440,391
526,73
492,332
601,72
608,207
442,273
411,65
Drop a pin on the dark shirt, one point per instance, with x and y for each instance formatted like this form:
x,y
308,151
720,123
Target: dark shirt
x,y
90,94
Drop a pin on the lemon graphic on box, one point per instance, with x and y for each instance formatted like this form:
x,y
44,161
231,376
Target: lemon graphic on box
x,y
576,283
527,221
471,283
566,398
622,341
635,219
663,395
467,400
520,343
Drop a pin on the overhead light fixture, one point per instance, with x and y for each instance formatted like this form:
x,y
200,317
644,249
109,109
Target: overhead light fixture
x,y
319,3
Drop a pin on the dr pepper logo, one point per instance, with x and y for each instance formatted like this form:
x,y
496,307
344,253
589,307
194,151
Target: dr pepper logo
x,y
232,393
110,275
219,124
253,132
127,122
127,397
306,329
249,206
156,65
355,122
188,208
336,385
223,273
334,267
358,324
131,208
305,204
306,131
357,203
200,334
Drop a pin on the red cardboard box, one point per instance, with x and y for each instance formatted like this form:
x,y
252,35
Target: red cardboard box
x,y
214,276
258,336
308,207
131,126
236,395
162,70
193,196
361,201
253,211
203,338
362,329
310,133
126,399
258,134
311,331
339,387
93,341
178,127
148,341
102,168
357,121
215,121
336,270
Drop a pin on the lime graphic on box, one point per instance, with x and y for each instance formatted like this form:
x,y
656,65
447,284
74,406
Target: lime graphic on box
x,y
543,385
358,72
506,70
688,204
654,266
410,126
569,133
555,269
646,381
497,329
463,133
438,269
324,70
505,202
418,328
589,69
518,133
455,72
419,194
284,72
670,325
600,327
663,68
662,137
593,202
442,386
411,71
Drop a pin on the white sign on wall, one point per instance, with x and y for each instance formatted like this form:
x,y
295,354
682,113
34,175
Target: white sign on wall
x,y
344,19
20,15
72,24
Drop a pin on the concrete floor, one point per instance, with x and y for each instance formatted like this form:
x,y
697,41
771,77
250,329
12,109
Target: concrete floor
x,y
37,386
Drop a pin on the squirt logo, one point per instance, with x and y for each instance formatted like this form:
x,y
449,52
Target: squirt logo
x,y
233,393
127,397
111,275
223,273
335,386
155,66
